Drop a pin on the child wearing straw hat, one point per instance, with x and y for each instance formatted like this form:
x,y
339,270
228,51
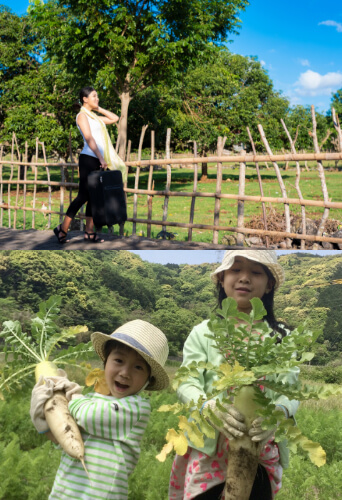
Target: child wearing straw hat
x,y
112,425
200,474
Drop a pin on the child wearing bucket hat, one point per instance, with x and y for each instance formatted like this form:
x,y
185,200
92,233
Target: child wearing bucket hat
x,y
113,424
200,473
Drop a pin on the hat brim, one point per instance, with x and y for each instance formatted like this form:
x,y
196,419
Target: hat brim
x,y
276,269
159,378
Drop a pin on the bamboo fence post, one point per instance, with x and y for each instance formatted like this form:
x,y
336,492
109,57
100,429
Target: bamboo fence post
x,y
25,185
326,210
61,195
220,145
281,184
193,199
168,177
35,170
14,140
260,184
338,129
293,150
9,190
149,187
49,185
241,204
136,180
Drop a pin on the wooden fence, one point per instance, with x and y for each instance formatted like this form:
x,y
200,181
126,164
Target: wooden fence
x,y
21,182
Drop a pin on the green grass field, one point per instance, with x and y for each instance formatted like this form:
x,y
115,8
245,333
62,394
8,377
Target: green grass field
x,y
179,207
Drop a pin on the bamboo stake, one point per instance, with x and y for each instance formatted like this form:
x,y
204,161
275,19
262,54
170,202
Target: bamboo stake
x,y
293,150
281,185
260,184
14,140
325,215
168,177
61,196
25,186
220,145
338,129
149,186
49,184
241,204
245,230
193,200
137,174
213,159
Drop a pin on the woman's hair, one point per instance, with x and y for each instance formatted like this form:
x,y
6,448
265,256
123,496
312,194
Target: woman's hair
x,y
267,300
84,92
112,345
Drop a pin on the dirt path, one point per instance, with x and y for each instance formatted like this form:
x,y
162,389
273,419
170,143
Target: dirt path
x,y
14,239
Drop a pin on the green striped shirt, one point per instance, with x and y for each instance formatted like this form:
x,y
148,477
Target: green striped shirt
x,y
111,430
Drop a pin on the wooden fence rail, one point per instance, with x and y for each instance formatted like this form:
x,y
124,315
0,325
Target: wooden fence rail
x,y
43,187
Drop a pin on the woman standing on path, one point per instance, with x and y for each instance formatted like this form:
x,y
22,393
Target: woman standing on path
x,y
97,153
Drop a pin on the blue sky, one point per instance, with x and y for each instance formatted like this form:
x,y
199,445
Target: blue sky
x,y
204,256
298,42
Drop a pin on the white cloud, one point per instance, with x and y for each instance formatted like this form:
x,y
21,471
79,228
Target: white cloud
x,y
304,62
311,83
338,26
262,63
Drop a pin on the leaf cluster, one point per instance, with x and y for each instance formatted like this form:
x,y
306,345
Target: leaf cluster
x,y
252,356
23,351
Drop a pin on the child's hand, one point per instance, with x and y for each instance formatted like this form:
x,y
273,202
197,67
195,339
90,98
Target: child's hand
x,y
233,425
258,434
43,391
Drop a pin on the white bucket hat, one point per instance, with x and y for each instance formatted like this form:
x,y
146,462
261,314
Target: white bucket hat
x,y
145,339
266,257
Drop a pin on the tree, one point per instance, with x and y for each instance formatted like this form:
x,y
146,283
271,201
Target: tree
x,y
221,97
299,118
36,97
336,102
123,47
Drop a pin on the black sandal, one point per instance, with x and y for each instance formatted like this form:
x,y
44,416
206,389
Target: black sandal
x,y
92,238
61,239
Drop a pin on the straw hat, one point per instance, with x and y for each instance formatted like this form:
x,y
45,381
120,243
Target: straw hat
x,y
266,257
145,339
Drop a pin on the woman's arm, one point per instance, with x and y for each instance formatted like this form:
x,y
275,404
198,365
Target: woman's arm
x,y
110,117
82,122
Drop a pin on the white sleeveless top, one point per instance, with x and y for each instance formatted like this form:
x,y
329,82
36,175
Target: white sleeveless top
x,y
96,132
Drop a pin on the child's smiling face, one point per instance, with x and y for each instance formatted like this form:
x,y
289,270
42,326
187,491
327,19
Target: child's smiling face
x,y
244,280
126,372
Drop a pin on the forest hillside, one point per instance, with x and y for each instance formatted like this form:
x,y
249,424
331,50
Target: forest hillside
x,y
103,289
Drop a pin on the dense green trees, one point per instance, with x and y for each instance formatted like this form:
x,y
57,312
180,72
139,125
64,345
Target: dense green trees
x,y
127,46
171,70
336,102
103,289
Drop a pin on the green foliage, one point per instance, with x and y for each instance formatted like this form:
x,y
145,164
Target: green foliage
x,y
29,463
24,351
326,374
221,96
251,355
125,47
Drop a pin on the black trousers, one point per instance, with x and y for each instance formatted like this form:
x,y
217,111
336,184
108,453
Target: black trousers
x,y
86,164
261,488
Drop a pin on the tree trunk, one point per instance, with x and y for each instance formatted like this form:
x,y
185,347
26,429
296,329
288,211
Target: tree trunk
x,y
204,173
125,100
